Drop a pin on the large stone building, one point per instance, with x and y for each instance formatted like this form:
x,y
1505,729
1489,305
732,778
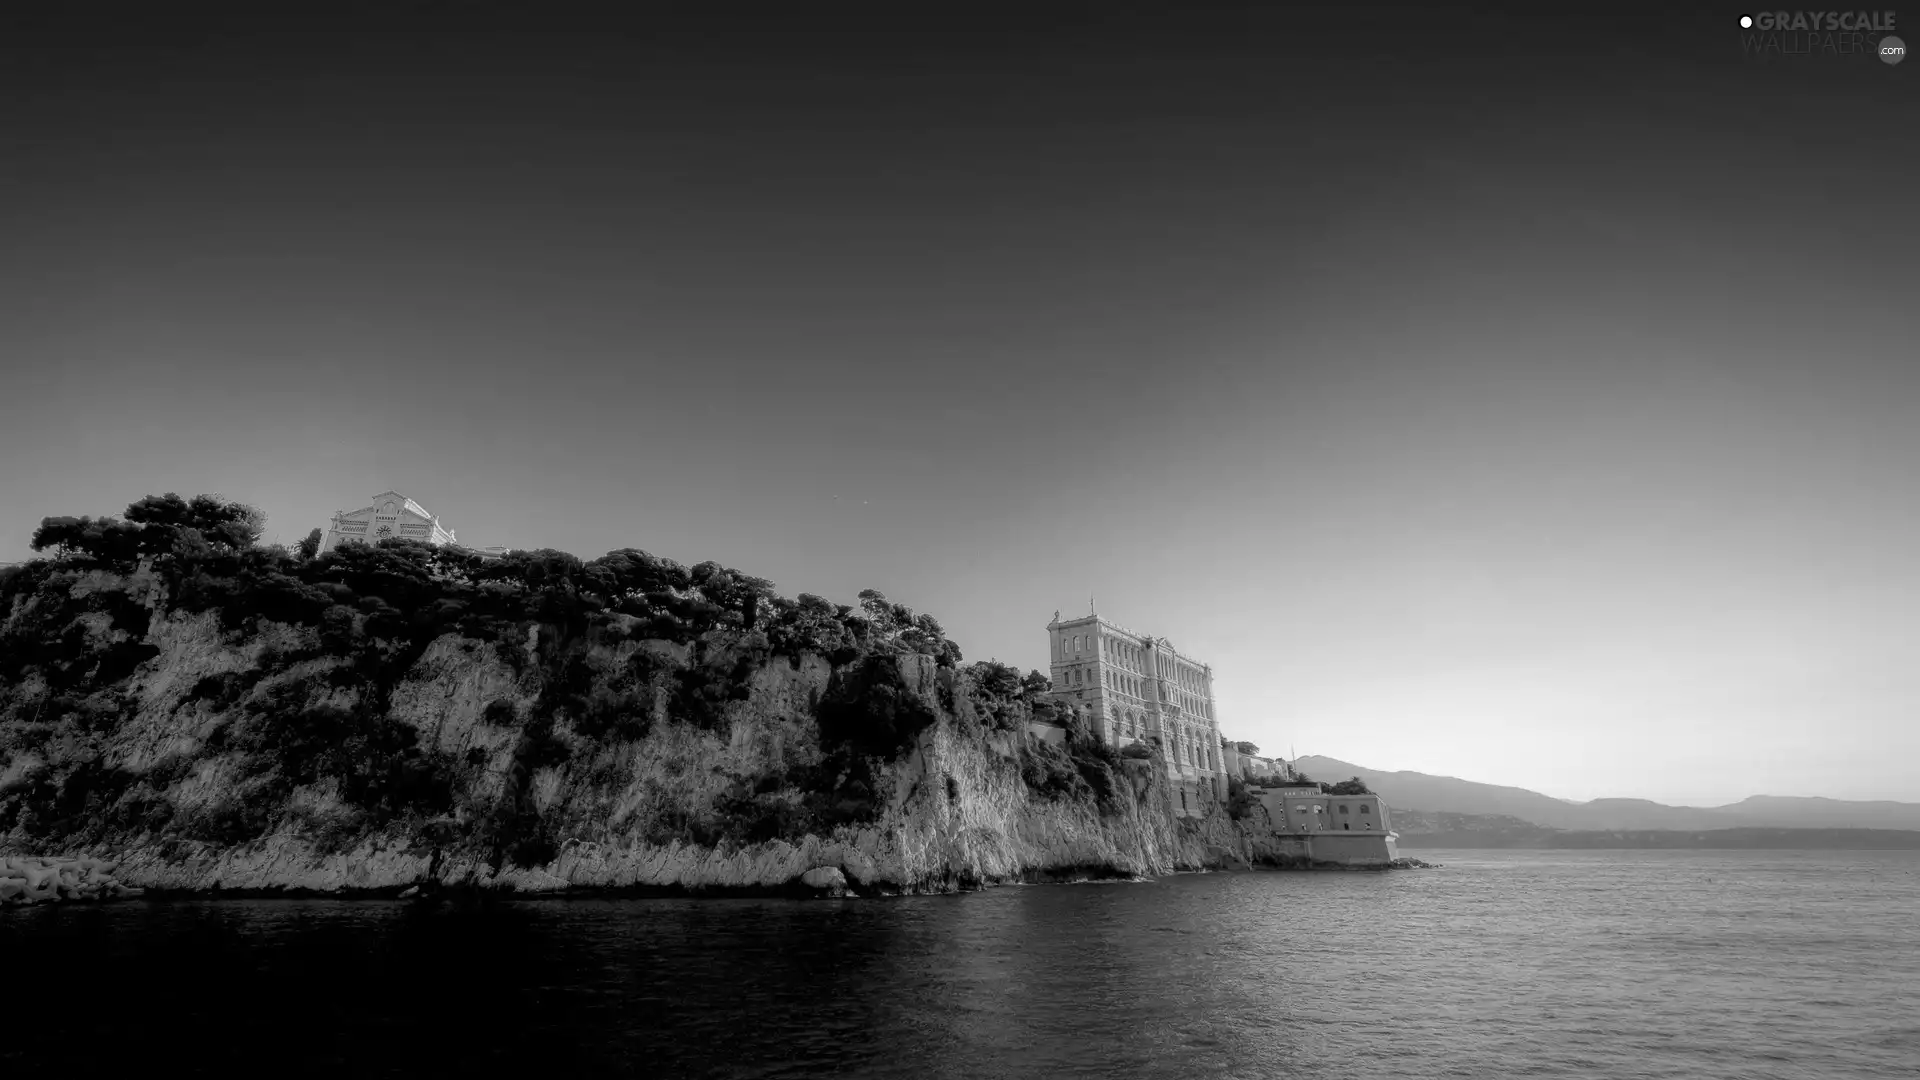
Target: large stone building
x,y
1139,688
392,515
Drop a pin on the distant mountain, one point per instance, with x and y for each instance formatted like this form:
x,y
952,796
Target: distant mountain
x,y
1424,829
1447,794
1429,828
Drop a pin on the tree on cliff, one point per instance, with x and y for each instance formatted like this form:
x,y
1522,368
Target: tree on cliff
x,y
155,525
731,590
219,521
809,624
105,538
898,626
1247,748
1240,801
996,680
1353,786
884,615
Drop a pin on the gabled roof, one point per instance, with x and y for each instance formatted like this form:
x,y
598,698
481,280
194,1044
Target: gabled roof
x,y
409,504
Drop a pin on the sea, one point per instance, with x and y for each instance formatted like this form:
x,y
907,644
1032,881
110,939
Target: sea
x,y
1593,964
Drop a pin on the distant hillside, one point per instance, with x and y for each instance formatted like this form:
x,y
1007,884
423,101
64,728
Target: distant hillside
x,y
1420,791
1428,828
1671,839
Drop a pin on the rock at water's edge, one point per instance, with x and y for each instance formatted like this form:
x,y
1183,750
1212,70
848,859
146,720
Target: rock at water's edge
x,y
825,877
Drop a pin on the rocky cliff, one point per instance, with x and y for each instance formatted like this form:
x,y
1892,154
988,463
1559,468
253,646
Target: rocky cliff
x,y
228,717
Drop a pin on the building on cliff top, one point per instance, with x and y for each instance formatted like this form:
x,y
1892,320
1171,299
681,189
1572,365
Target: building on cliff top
x,y
1139,688
391,515
1255,765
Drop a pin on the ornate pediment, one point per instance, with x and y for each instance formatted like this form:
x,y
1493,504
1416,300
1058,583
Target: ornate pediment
x,y
390,514
392,503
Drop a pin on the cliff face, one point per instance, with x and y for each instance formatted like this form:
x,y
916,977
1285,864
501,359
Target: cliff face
x,y
201,747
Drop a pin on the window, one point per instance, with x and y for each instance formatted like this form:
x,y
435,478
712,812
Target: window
x,y
1344,808
1366,808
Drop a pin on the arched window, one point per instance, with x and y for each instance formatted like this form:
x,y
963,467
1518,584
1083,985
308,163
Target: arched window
x,y
1366,808
1344,808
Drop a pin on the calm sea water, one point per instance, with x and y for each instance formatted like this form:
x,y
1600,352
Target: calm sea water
x,y
1608,964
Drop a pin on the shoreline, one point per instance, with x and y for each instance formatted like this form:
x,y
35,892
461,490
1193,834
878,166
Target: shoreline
x,y
797,889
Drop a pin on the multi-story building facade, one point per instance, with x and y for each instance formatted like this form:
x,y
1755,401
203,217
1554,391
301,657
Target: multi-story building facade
x,y
1139,688
1305,808
392,515
1350,829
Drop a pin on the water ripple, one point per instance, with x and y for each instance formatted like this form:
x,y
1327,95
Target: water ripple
x,y
1614,965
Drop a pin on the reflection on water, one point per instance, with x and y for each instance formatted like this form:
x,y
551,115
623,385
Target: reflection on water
x,y
1591,964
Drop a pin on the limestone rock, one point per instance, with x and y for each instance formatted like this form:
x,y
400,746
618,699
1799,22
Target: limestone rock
x,y
825,877
952,812
37,880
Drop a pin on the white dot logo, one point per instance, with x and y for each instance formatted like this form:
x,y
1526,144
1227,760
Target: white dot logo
x,y
1746,22
1892,49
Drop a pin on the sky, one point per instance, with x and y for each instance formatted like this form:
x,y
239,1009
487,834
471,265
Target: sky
x,y
1533,401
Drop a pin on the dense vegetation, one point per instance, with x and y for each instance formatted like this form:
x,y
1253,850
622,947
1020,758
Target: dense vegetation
x,y
1240,801
353,622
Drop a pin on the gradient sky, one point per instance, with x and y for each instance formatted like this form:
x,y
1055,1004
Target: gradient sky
x,y
1536,402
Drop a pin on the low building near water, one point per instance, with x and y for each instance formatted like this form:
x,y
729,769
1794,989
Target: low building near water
x,y
1332,828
